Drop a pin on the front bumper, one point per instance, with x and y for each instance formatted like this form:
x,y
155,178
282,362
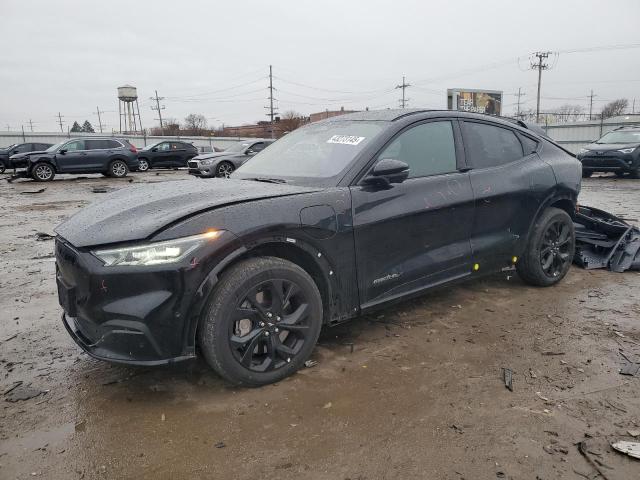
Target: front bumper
x,y
133,315
610,162
199,170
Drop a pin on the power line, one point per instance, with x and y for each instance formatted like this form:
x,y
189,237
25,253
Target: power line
x,y
403,86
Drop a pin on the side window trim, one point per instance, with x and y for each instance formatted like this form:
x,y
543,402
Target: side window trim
x,y
520,136
457,148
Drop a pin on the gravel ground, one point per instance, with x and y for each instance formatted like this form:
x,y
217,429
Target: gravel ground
x,y
415,391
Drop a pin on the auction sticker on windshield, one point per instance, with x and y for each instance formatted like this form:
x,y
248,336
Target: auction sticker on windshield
x,y
345,139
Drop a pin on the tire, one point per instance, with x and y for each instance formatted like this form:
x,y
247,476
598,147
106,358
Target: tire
x,y
586,173
2,167
550,249
224,169
635,173
143,165
43,172
249,337
620,174
118,169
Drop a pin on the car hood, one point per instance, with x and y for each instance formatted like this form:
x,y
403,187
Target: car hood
x,y
137,213
206,156
607,147
26,154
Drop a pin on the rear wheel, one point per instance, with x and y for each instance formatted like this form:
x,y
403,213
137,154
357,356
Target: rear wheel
x,y
262,321
143,165
635,173
42,172
550,250
118,169
224,169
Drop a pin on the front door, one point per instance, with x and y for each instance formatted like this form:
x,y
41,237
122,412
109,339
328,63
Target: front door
x,y
415,234
163,156
74,157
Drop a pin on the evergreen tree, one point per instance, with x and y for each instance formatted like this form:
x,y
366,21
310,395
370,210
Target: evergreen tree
x,y
86,127
76,127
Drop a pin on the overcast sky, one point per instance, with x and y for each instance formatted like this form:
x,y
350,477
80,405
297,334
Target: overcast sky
x,y
212,57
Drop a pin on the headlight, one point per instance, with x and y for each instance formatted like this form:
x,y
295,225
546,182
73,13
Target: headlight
x,y
206,162
583,150
627,150
171,251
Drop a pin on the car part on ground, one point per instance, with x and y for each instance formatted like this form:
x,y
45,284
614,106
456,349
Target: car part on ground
x,y
605,241
336,219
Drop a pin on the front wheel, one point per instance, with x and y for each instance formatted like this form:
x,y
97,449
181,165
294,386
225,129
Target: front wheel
x,y
2,167
42,172
224,169
262,321
118,169
550,250
143,165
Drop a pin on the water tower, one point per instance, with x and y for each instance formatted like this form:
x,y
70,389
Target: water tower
x,y
128,109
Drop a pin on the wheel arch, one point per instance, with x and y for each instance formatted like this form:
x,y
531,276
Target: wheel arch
x,y
563,199
295,250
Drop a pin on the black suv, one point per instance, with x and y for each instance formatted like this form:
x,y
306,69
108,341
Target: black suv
x,y
113,157
21,149
617,151
168,154
222,164
335,219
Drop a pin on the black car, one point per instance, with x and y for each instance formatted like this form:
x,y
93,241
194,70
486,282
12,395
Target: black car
x,y
168,154
335,219
19,151
112,157
617,151
222,164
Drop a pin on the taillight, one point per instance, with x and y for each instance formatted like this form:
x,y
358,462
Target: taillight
x,y
133,149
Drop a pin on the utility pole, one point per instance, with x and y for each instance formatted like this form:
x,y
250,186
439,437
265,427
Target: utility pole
x,y
272,113
591,103
23,137
60,122
404,100
31,124
540,65
99,118
519,94
157,107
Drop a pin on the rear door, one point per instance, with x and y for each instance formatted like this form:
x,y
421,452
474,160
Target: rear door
x,y
415,234
97,155
179,154
506,179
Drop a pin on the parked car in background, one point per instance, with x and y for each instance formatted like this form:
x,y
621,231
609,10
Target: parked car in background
x,y
222,164
617,151
19,151
166,154
113,157
335,219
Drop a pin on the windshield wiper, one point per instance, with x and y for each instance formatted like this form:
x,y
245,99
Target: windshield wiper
x,y
267,180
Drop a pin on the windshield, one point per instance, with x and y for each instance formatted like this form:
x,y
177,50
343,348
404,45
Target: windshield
x,y
316,151
238,147
55,147
628,136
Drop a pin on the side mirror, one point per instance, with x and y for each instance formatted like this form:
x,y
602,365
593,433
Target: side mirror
x,y
386,172
249,152
16,151
63,151
154,149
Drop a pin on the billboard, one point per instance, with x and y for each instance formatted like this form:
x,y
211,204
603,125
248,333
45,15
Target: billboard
x,y
476,101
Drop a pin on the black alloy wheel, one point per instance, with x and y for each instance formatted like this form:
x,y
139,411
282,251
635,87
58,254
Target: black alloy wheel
x,y
556,252
262,322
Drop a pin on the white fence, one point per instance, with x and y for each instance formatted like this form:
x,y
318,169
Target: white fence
x,y
9,138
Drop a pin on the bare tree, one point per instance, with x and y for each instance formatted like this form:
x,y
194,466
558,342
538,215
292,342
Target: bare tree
x,y
617,107
566,111
195,124
290,121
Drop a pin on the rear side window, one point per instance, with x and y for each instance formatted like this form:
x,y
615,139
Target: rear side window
x,y
177,146
94,144
112,144
428,149
489,145
529,145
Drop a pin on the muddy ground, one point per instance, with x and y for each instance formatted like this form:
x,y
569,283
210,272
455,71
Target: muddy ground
x,y
413,392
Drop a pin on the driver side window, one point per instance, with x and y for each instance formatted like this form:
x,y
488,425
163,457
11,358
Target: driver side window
x,y
74,146
428,149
